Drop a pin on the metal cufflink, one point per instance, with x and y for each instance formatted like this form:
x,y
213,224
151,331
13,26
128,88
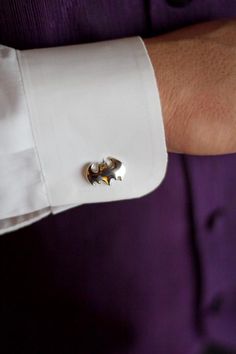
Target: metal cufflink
x,y
105,171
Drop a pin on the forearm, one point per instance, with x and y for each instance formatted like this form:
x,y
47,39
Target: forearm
x,y
195,71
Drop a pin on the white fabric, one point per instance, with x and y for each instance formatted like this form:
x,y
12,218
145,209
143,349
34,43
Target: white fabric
x,y
64,107
23,196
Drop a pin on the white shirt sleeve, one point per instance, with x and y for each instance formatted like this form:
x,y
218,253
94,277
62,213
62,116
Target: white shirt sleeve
x,y
63,108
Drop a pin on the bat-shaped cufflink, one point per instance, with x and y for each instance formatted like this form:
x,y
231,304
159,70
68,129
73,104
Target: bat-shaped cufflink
x,y
105,171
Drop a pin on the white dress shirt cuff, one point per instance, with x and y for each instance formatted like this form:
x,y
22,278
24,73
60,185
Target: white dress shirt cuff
x,y
83,103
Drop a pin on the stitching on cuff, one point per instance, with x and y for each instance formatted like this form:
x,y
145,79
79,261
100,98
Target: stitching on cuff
x,y
43,179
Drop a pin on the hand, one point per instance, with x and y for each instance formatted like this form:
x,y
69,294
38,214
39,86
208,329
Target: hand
x,y
195,69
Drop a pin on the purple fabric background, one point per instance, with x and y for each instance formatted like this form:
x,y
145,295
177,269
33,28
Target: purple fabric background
x,y
153,275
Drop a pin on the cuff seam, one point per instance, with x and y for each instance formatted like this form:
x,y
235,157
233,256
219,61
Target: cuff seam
x,y
43,179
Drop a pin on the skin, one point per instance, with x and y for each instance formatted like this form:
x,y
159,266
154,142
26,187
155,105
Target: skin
x,y
195,68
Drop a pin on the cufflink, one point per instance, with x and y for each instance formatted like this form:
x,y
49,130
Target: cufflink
x,y
105,171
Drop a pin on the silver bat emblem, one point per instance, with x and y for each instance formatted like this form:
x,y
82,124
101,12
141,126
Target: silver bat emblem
x,y
105,171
